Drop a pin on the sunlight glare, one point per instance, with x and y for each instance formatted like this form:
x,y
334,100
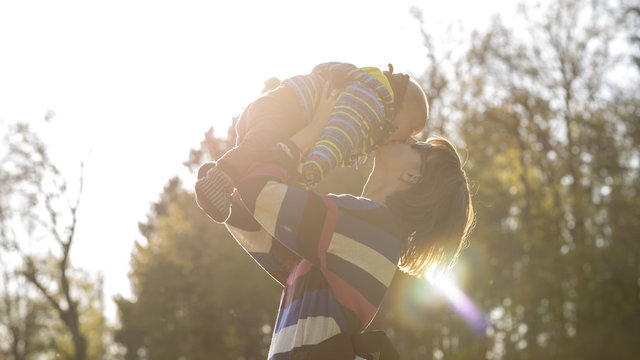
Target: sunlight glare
x,y
457,299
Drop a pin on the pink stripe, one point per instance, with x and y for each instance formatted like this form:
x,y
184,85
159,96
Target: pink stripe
x,y
299,270
345,294
330,220
235,196
302,268
350,298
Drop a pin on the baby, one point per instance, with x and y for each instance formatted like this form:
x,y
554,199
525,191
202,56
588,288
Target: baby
x,y
374,107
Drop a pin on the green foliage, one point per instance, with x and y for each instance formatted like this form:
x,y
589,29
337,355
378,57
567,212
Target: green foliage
x,y
197,293
23,319
551,151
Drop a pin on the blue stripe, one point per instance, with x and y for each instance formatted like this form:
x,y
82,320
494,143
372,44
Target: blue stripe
x,y
307,89
338,138
319,302
315,84
360,133
369,235
297,84
290,216
365,283
327,158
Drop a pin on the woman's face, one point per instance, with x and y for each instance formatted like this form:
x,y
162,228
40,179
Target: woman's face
x,y
398,156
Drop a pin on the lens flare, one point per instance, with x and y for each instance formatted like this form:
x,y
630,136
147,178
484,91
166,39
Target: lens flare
x,y
459,301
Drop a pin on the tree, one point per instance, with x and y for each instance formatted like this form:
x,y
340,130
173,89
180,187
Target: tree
x,y
631,20
551,129
547,128
35,209
197,293
23,319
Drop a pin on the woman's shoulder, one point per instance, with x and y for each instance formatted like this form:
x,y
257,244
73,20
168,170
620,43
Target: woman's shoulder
x,y
352,202
366,212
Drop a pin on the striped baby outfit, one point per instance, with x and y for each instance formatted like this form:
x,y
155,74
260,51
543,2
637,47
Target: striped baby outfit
x,y
335,255
361,120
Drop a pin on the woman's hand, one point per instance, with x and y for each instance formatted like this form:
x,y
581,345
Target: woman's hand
x,y
326,101
306,137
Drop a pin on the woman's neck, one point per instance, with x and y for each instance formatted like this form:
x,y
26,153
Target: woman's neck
x,y
379,185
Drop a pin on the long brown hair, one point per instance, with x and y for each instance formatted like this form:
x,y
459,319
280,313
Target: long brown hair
x,y
438,212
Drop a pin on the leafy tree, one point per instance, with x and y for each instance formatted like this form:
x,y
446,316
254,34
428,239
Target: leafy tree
x,y
631,20
197,294
551,134
23,319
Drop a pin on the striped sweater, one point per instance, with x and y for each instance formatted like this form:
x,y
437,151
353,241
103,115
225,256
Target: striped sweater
x,y
361,119
334,255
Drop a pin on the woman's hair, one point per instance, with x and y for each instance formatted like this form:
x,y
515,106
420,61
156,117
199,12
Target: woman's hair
x,y
437,210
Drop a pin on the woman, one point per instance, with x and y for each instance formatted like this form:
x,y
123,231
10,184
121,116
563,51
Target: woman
x,y
335,255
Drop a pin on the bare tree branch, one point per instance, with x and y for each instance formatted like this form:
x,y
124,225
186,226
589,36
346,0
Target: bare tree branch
x,y
41,186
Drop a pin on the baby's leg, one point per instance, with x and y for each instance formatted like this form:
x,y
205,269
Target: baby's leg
x,y
274,117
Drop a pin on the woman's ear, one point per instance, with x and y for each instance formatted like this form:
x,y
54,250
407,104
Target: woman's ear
x,y
411,176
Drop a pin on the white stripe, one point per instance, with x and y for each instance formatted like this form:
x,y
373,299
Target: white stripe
x,y
307,331
268,205
363,257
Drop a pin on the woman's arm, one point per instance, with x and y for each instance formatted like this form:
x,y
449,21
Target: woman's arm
x,y
271,255
287,213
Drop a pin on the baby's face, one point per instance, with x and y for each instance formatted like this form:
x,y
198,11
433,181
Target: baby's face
x,y
410,121
412,116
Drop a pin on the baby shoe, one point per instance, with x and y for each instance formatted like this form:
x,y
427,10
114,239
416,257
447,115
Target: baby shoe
x,y
213,192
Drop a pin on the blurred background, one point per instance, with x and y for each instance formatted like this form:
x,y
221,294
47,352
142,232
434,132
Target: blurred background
x,y
107,109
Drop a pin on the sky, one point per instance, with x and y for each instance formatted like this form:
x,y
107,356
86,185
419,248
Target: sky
x,y
133,85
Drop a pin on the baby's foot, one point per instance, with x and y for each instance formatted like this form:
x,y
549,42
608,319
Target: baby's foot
x,y
213,192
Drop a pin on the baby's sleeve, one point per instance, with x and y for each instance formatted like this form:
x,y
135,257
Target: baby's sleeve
x,y
353,129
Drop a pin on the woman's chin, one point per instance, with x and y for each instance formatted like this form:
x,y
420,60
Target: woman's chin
x,y
385,150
